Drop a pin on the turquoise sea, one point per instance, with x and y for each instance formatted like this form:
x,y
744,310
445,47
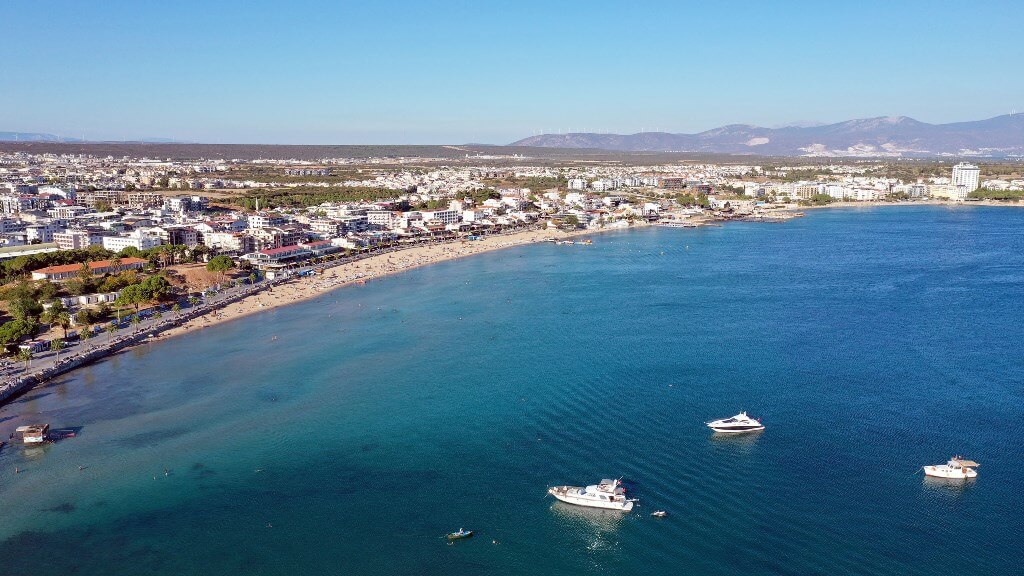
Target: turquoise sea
x,y
870,341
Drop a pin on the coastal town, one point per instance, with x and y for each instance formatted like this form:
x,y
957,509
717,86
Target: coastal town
x,y
712,289
91,244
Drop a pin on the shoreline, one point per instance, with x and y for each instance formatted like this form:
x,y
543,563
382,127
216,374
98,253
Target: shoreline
x,y
287,291
875,203
300,289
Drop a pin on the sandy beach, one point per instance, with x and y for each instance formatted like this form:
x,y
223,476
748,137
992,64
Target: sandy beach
x,y
299,289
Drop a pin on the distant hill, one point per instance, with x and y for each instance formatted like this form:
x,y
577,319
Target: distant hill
x,y
456,153
33,137
40,137
871,137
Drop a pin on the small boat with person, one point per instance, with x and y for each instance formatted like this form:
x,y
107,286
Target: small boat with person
x,y
737,424
608,494
460,535
957,468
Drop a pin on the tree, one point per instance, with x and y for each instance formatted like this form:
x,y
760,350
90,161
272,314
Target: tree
x,y
58,315
176,309
252,278
64,321
86,333
220,264
193,300
83,316
84,273
25,355
135,322
56,345
132,295
78,287
23,308
111,328
115,262
11,332
46,291
130,252
156,287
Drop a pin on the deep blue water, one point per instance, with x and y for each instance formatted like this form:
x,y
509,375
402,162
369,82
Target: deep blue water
x,y
870,341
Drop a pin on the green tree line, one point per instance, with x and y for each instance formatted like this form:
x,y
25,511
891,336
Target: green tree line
x,y
306,196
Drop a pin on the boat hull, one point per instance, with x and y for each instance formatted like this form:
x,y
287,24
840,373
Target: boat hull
x,y
744,430
952,474
567,497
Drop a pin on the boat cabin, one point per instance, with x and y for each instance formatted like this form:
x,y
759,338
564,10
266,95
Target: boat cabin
x,y
33,433
961,463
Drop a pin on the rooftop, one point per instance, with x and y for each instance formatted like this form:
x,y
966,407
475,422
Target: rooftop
x,y
93,266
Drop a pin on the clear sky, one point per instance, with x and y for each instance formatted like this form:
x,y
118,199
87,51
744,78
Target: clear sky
x,y
455,72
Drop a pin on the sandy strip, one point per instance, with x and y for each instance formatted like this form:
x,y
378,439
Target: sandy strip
x,y
300,289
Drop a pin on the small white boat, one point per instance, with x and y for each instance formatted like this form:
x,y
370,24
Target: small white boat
x,y
737,424
461,534
957,468
608,494
659,513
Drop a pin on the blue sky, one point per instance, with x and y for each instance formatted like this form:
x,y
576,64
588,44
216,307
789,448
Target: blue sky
x,y
455,72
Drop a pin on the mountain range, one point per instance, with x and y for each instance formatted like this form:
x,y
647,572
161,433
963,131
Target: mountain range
x,y
41,137
889,136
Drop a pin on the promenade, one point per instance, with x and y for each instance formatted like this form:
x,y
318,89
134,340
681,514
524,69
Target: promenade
x,y
46,365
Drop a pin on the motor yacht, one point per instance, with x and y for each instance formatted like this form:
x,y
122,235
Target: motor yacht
x,y
607,494
956,468
737,424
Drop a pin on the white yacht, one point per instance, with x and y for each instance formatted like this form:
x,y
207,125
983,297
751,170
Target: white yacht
x,y
608,494
737,424
957,468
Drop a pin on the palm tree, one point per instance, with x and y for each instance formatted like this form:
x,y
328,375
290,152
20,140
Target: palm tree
x,y
56,346
193,300
111,328
252,278
158,315
115,263
25,355
176,309
135,323
86,333
63,319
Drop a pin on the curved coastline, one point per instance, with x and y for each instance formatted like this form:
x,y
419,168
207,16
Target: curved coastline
x,y
285,291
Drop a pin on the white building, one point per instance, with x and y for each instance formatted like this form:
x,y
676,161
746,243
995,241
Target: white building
x,y
42,232
385,219
965,174
265,220
444,216
135,239
74,239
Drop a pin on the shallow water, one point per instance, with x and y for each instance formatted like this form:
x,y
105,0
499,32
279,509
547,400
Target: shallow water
x,y
871,341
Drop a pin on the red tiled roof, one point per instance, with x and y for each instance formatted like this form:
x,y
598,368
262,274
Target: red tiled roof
x,y
92,266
